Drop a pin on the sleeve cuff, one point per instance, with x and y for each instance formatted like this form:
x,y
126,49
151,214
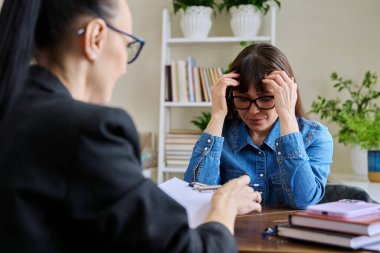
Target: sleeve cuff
x,y
290,146
209,143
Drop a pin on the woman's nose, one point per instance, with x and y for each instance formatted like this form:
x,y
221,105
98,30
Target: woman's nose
x,y
253,109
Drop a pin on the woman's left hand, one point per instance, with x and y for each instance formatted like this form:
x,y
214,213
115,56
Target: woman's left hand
x,y
285,98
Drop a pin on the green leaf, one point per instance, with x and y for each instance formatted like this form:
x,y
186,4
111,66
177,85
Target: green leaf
x,y
202,121
358,116
261,5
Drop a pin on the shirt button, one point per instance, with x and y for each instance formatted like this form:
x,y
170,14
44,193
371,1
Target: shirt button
x,y
260,152
256,184
261,175
261,192
208,140
276,143
278,153
206,148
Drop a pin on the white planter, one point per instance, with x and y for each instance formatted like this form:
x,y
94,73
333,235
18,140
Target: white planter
x,y
196,22
245,21
359,159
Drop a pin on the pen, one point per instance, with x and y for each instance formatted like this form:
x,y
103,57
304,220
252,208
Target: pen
x,y
203,187
196,184
207,188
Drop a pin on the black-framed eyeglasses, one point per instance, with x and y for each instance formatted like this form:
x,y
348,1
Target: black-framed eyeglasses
x,y
244,103
133,48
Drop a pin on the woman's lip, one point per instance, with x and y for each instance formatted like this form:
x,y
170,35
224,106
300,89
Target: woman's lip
x,y
255,121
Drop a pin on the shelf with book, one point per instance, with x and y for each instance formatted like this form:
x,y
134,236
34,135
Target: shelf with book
x,y
177,73
174,41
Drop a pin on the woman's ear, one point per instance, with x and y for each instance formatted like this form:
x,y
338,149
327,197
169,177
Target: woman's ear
x,y
94,39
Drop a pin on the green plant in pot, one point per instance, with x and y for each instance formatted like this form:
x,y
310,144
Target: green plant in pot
x,y
202,121
246,15
262,6
357,116
184,4
195,17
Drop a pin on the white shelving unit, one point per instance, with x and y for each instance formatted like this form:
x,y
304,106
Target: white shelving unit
x,y
168,42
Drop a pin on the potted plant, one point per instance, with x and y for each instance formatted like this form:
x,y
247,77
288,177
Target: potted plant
x,y
246,15
358,117
195,17
202,121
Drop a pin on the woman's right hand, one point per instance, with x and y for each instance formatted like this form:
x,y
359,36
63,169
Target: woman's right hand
x,y
233,198
218,93
219,106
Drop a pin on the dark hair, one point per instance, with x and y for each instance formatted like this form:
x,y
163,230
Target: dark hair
x,y
253,63
40,24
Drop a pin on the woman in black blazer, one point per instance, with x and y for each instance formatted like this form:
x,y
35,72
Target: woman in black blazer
x,y
70,173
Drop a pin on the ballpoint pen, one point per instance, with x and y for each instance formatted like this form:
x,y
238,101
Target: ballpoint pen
x,y
203,187
207,188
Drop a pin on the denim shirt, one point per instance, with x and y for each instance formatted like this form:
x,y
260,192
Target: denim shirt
x,y
288,170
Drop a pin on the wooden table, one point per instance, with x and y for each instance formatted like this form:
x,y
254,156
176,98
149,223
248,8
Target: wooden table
x,y
248,229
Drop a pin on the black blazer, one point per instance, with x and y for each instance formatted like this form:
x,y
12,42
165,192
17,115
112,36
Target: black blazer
x,y
71,181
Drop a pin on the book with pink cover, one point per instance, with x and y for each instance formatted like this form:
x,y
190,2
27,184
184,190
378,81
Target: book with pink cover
x,y
347,208
363,225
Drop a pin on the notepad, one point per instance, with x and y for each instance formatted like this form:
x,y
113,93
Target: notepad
x,y
197,204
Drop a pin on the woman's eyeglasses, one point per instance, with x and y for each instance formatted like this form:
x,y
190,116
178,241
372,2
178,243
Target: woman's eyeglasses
x,y
244,103
133,48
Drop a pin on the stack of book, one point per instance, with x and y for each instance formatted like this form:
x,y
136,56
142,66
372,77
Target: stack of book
x,y
357,232
179,147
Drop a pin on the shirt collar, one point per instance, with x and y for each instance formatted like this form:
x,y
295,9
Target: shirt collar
x,y
44,79
243,137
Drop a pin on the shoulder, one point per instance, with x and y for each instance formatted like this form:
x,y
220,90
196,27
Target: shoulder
x,y
104,120
312,130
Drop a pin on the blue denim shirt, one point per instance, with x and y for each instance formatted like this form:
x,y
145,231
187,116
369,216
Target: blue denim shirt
x,y
288,170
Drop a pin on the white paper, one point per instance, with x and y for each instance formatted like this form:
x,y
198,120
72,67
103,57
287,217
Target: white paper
x,y
197,204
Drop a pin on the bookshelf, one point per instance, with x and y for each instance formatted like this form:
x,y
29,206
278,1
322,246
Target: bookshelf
x,y
166,108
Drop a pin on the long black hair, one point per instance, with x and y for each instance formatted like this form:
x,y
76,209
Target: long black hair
x,y
253,63
37,24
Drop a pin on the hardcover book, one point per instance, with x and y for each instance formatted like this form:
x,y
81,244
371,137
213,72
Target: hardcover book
x,y
327,237
363,225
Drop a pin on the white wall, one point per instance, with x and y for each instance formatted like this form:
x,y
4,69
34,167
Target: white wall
x,y
318,37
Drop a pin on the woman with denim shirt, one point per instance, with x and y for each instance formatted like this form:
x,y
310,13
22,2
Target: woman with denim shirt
x,y
259,128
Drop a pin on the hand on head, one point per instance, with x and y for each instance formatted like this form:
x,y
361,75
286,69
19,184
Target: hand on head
x,y
218,93
285,92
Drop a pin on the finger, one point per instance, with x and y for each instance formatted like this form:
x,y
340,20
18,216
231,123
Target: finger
x,y
272,83
236,185
249,207
279,79
256,207
283,74
244,180
224,81
231,75
258,197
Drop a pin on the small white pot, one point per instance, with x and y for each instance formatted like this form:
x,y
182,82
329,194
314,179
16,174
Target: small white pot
x,y
245,21
359,161
196,22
